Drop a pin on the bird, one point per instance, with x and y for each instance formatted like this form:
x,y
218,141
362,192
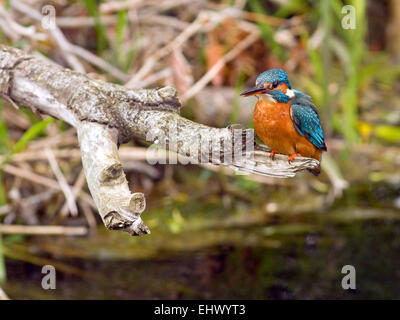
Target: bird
x,y
285,119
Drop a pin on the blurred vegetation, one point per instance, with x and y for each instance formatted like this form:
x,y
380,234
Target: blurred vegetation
x,y
216,235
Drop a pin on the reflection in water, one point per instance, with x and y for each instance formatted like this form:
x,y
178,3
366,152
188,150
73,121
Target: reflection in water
x,y
202,247
301,264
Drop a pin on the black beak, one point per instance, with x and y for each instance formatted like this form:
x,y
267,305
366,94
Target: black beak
x,y
253,91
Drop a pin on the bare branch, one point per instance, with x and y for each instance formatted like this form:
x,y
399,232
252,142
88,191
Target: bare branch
x,y
118,208
106,115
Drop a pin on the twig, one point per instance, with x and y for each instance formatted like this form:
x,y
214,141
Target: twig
x,y
141,167
150,19
5,209
67,138
15,30
3,295
28,206
35,155
56,34
114,6
84,21
38,179
43,230
91,220
155,77
76,189
28,175
98,62
64,186
178,41
65,47
70,49
36,199
164,20
241,46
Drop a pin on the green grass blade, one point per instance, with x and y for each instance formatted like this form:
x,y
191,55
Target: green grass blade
x,y
32,133
3,272
102,41
233,118
4,141
266,31
122,23
292,7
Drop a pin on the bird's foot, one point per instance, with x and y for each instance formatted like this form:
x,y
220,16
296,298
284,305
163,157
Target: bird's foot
x,y
292,156
272,154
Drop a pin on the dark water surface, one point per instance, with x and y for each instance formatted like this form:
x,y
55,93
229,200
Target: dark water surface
x,y
304,265
206,250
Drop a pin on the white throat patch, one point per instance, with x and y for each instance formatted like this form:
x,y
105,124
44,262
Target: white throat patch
x,y
266,97
290,93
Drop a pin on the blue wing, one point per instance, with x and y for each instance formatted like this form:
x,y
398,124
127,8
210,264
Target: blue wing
x,y
306,120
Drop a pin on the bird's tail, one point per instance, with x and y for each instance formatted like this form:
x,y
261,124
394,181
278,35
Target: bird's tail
x,y
315,171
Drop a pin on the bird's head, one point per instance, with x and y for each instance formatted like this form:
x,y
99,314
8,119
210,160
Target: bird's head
x,y
273,83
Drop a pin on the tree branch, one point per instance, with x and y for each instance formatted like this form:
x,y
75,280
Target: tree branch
x,y
107,115
118,208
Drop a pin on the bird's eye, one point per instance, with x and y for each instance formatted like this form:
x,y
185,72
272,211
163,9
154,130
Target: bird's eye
x,y
274,84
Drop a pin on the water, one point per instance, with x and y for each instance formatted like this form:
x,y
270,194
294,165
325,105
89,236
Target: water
x,y
202,247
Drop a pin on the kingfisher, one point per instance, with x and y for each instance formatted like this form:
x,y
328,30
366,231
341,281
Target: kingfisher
x,y
285,119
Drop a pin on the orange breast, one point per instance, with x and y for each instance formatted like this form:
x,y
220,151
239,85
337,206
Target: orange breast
x,y
274,126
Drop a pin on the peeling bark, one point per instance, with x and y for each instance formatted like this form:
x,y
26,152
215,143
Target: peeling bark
x,y
107,115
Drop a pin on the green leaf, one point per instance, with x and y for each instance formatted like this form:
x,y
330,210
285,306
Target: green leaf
x,y
388,133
